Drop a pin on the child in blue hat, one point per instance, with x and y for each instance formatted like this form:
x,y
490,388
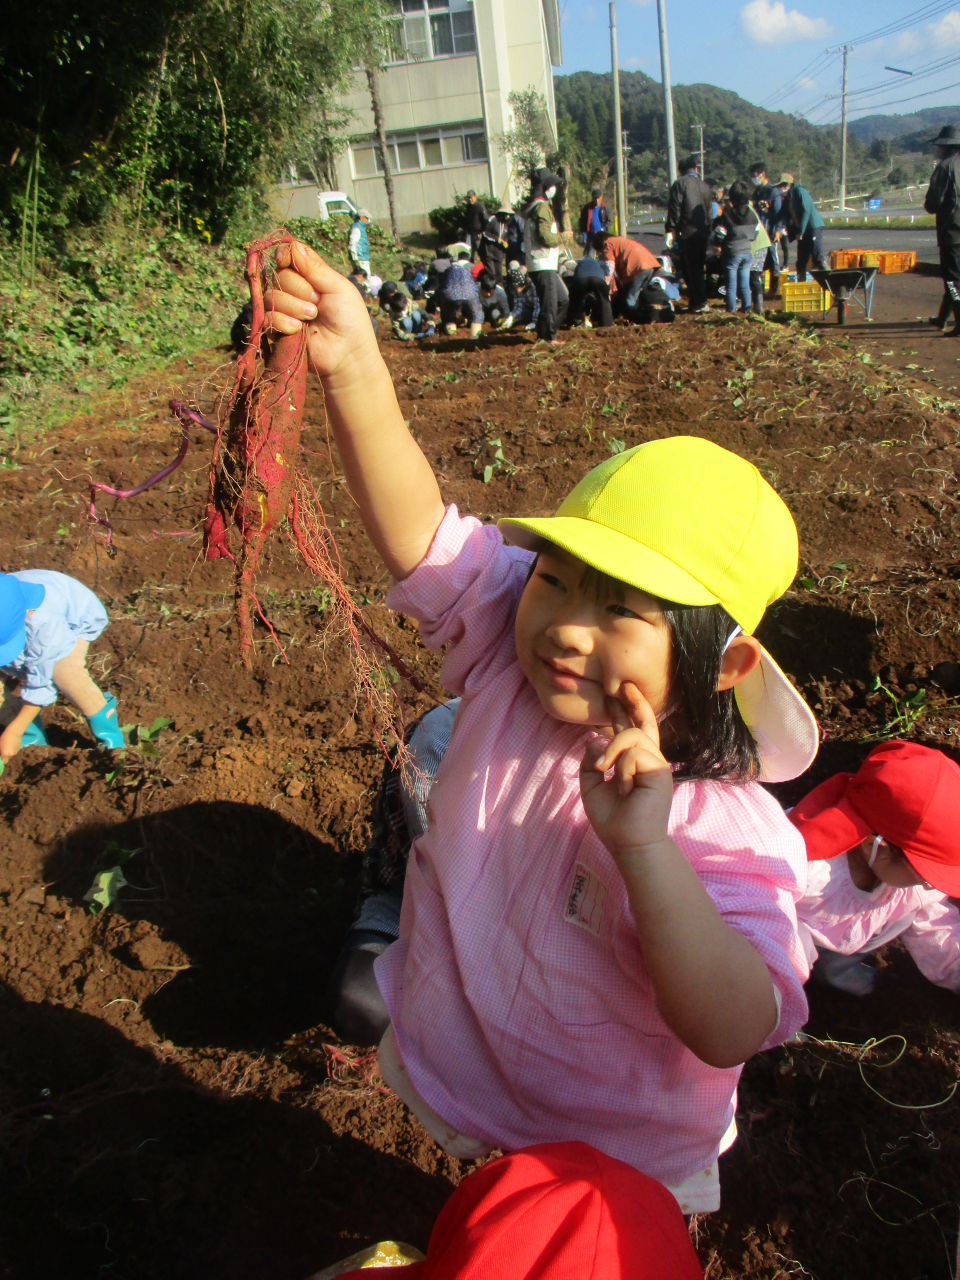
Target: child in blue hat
x,y
47,622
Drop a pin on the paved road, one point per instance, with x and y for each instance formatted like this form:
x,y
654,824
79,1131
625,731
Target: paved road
x,y
852,237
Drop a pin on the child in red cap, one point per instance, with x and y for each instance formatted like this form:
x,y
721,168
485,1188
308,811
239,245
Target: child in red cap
x,y
559,1211
896,820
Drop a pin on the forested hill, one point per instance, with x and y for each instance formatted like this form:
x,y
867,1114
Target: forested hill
x,y
911,131
736,134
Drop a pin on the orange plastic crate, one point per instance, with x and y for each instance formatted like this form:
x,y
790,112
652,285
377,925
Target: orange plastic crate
x,y
843,258
897,260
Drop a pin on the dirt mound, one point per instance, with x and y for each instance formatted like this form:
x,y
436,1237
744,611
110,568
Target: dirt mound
x,y
171,1101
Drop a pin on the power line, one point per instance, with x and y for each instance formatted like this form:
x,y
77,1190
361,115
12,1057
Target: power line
x,y
923,14
908,20
795,83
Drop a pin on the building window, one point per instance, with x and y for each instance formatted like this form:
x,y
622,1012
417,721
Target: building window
x,y
408,155
366,162
409,152
453,150
449,33
431,152
475,146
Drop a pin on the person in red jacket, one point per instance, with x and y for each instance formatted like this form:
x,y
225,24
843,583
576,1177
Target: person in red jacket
x,y
558,1211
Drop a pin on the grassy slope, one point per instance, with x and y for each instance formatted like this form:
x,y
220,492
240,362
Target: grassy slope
x,y
106,308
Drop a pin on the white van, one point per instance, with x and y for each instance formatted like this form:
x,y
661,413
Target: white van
x,y
335,202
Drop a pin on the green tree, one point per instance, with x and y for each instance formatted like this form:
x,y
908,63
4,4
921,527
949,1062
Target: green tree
x,y
186,108
527,143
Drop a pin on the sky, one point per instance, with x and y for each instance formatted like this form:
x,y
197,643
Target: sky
x,y
774,52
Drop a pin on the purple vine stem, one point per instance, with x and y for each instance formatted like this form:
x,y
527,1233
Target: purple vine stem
x,y
186,417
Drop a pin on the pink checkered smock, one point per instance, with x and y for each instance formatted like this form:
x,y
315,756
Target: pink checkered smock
x,y
520,1002
838,916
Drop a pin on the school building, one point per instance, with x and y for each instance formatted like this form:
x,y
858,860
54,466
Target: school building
x,y
445,102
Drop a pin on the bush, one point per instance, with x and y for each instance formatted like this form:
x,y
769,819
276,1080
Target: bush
x,y
899,177
330,241
447,220
105,306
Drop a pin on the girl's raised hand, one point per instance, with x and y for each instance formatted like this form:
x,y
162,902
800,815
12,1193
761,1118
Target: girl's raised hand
x,y
631,810
307,292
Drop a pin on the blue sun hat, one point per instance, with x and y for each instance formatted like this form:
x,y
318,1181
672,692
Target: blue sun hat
x,y
16,598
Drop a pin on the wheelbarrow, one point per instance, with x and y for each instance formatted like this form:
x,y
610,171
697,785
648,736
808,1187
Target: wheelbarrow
x,y
846,284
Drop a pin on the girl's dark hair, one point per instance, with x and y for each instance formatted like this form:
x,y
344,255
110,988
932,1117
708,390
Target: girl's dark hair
x,y
739,194
710,738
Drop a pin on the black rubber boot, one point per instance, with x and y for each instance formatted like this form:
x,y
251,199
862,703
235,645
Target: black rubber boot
x,y
756,293
955,331
940,319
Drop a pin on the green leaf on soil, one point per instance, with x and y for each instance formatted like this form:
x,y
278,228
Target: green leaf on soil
x,y
105,890
148,735
616,445
808,584
487,474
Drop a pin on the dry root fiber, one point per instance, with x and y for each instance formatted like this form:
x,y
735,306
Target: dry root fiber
x,y
255,483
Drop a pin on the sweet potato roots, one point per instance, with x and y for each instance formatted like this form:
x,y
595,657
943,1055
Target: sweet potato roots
x,y
255,482
254,467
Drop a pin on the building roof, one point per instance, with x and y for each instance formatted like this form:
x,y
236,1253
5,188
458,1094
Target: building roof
x,y
551,17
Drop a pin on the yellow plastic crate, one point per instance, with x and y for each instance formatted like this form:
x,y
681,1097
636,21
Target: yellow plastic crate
x,y
806,296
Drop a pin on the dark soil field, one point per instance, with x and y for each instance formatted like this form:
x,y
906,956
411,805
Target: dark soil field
x,y
172,1103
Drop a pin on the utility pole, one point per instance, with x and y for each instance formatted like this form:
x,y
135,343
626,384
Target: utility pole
x,y
843,133
701,128
617,127
667,95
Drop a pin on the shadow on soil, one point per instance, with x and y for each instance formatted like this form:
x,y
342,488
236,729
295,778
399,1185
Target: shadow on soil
x,y
139,1174
257,906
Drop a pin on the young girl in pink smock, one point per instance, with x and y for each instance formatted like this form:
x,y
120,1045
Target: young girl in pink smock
x,y
599,922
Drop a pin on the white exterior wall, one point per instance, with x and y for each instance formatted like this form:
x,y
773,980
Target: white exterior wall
x,y
518,42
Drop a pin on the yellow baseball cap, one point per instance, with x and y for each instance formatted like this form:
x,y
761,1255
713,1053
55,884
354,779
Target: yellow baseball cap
x,y
690,522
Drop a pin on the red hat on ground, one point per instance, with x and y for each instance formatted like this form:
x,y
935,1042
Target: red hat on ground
x,y
560,1211
906,793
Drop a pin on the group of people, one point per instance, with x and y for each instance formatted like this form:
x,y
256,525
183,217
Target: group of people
x,y
736,236
512,271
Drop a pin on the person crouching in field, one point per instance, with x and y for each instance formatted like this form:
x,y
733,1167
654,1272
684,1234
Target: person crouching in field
x,y
884,850
47,623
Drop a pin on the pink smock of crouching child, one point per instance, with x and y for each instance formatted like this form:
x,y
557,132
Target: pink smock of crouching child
x,y
520,1002
838,916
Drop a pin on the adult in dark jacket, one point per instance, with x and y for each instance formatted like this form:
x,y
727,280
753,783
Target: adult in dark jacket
x,y
590,295
515,252
688,225
769,206
943,200
594,217
475,218
542,248
493,241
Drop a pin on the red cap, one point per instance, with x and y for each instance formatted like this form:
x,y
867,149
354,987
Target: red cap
x,y
906,793
560,1211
